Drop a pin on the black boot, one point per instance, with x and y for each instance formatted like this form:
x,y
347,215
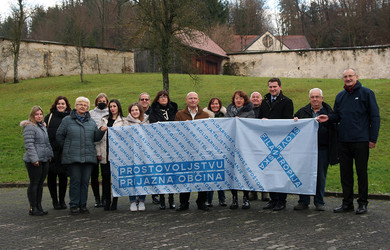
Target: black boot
x,y
171,202
44,212
35,211
114,203
162,202
234,204
56,205
63,204
107,205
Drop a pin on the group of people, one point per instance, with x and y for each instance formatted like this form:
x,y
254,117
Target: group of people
x,y
74,143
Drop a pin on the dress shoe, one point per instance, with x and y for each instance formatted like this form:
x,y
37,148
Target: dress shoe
x,y
56,205
222,203
44,212
209,204
279,206
182,207
301,206
343,208
162,204
155,199
362,209
270,205
171,205
202,206
74,210
63,205
84,210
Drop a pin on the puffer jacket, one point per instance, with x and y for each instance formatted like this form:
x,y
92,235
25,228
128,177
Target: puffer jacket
x,y
101,146
245,111
78,139
220,113
97,114
131,121
36,141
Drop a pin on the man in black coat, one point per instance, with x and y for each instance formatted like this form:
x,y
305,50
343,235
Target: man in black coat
x,y
276,106
327,146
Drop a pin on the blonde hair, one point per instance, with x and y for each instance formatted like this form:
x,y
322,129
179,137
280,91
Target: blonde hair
x,y
82,99
34,109
100,96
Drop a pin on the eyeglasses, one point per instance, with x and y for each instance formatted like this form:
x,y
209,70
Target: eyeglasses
x,y
144,99
82,105
162,96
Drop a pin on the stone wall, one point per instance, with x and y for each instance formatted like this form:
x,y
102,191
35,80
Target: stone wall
x,y
42,59
370,62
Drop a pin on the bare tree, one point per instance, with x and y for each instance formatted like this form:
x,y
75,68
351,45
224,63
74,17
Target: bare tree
x,y
162,24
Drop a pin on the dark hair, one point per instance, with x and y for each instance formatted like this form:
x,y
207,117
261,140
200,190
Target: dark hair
x,y
141,110
212,100
119,108
160,93
241,94
275,80
54,105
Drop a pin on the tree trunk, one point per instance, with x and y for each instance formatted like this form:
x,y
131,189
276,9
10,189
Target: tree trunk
x,y
16,60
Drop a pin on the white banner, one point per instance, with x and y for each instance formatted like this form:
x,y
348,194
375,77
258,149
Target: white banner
x,y
214,154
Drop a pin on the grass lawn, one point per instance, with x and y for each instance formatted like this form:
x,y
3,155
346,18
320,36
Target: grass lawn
x,y
17,99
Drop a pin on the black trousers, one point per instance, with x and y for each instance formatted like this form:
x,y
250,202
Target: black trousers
x,y
37,176
95,180
185,197
348,152
278,197
106,181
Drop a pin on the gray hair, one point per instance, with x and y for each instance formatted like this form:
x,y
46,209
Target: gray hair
x,y
82,99
192,92
350,69
315,89
143,93
256,93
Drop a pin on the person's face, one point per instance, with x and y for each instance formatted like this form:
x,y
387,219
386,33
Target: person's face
x,y
316,99
192,100
215,106
114,108
144,100
239,101
134,111
163,100
274,88
81,108
256,99
350,78
61,105
38,116
102,100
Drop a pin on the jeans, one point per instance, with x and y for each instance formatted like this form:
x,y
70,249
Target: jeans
x,y
348,151
133,198
322,169
37,176
221,196
79,174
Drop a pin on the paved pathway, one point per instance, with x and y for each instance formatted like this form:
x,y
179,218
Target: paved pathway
x,y
221,228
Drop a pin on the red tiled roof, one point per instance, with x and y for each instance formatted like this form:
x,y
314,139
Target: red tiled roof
x,y
242,42
294,41
203,42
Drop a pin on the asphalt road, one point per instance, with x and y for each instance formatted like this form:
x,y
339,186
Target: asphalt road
x,y
220,228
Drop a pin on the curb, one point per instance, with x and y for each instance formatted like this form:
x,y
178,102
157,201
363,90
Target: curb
x,y
330,194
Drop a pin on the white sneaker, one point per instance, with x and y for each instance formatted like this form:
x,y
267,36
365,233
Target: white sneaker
x,y
141,206
133,207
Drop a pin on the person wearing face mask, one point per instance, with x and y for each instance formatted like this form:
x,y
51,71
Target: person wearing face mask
x,y
97,114
240,107
58,110
37,157
137,116
113,119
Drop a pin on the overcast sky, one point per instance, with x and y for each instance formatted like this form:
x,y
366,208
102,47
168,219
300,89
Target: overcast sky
x,y
5,5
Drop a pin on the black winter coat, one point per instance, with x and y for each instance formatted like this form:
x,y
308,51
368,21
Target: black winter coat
x,y
160,113
282,108
327,132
